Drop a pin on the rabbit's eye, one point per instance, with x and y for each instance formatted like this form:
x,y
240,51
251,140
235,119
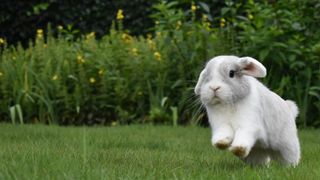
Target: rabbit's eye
x,y
231,73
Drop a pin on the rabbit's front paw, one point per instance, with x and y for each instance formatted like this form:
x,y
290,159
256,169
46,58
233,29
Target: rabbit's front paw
x,y
240,151
223,143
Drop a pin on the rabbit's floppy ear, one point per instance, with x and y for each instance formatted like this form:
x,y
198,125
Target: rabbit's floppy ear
x,y
199,83
252,67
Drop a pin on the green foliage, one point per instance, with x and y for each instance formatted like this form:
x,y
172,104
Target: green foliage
x,y
120,78
19,19
135,152
125,79
284,36
188,42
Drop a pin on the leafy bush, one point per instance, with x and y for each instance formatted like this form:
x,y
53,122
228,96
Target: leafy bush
x,y
284,35
20,19
118,79
126,79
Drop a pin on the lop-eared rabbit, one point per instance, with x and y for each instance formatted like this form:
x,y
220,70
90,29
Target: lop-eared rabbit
x,y
246,117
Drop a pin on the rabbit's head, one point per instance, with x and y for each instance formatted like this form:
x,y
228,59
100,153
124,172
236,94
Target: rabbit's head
x,y
225,79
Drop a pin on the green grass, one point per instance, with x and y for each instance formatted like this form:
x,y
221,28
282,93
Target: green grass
x,y
135,152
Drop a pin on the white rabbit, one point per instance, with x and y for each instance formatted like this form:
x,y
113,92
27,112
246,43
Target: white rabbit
x,y
251,121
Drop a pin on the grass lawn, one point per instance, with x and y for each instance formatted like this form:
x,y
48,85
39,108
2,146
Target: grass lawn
x,y
135,152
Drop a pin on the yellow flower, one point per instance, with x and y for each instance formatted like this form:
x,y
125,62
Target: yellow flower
x,y
193,7
91,35
157,55
152,44
204,17
126,38
39,33
149,36
1,74
222,22
120,15
55,77
179,23
2,41
134,51
92,80
206,22
80,59
60,28
101,72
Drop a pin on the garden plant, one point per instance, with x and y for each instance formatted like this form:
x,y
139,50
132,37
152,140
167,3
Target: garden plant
x,y
149,78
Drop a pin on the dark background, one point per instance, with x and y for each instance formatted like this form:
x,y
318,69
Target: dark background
x,y
19,20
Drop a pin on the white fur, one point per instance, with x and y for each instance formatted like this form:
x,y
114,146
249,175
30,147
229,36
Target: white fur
x,y
257,128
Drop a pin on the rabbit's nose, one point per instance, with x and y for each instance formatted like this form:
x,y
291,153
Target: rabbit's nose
x,y
214,88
